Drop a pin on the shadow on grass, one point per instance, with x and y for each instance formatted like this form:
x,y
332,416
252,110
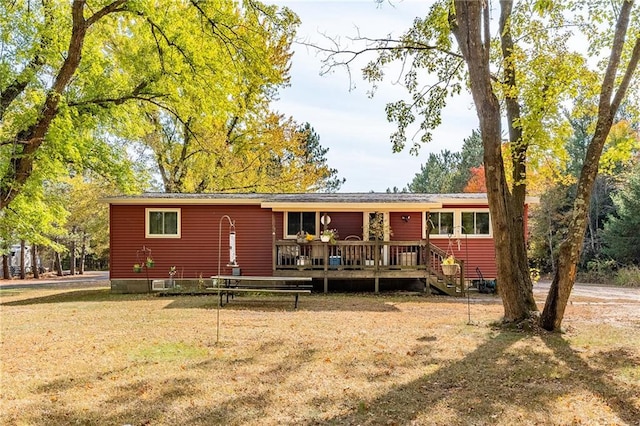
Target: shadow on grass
x,y
148,401
364,302
510,372
89,295
270,303
499,375
599,379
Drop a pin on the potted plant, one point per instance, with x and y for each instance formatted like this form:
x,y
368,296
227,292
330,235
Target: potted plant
x,y
303,237
137,268
149,262
329,236
449,266
377,228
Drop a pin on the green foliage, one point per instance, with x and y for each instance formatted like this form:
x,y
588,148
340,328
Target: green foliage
x,y
621,236
552,217
599,271
449,172
182,85
315,160
548,226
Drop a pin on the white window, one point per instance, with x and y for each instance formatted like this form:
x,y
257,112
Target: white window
x,y
163,223
441,223
300,221
475,223
454,223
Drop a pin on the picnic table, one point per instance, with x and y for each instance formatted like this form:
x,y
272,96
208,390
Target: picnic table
x,y
230,285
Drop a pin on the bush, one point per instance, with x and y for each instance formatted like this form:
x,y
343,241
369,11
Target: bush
x,y
628,276
599,271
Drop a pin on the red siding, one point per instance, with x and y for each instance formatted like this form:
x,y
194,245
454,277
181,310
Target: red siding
x,y
278,217
481,252
346,223
409,230
195,254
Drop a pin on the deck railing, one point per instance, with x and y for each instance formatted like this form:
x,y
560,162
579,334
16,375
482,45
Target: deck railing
x,y
351,255
372,256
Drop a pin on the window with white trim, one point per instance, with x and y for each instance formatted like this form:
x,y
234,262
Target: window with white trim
x,y
475,223
441,223
162,223
301,221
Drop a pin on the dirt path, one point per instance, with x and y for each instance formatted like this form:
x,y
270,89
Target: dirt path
x,y
605,293
89,279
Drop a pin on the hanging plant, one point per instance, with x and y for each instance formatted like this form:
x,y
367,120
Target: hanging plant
x,y
137,268
449,266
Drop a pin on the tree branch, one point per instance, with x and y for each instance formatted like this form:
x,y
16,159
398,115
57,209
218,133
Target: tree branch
x,y
614,58
116,6
134,95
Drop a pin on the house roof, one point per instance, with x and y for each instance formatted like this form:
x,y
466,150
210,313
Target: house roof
x,y
314,201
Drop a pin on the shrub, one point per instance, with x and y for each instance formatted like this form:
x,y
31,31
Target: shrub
x,y
629,276
599,271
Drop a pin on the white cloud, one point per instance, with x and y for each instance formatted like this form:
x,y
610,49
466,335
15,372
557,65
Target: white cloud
x,y
349,123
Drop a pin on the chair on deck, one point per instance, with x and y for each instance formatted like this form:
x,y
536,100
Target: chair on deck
x,y
287,255
317,254
352,255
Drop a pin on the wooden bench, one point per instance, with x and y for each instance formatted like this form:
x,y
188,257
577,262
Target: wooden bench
x,y
231,284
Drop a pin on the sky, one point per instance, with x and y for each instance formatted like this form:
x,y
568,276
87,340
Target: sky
x,y
353,126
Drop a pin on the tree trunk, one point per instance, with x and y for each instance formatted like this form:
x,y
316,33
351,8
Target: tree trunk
x,y
58,264
23,263
72,252
571,247
35,267
83,253
6,268
514,282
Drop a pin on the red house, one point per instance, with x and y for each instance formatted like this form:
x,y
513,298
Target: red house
x,y
389,238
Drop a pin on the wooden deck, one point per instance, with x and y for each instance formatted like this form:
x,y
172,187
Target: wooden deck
x,y
354,260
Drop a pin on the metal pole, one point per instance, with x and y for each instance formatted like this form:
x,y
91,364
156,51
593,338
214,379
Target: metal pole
x,y
232,227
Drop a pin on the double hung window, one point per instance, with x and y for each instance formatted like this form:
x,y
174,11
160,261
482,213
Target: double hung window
x,y
163,223
475,223
301,221
441,223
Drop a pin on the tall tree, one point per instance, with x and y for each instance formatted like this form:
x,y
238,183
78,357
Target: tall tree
x,y
477,181
619,72
72,71
527,72
449,172
315,158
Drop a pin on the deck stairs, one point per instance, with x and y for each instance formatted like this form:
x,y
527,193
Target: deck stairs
x,y
446,285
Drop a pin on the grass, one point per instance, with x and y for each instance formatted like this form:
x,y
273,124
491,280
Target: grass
x,y
89,357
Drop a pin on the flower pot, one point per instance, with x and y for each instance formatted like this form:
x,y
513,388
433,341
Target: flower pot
x,y
325,238
137,269
450,270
